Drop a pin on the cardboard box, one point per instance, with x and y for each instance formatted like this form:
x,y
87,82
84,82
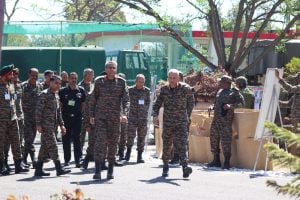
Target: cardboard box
x,y
245,122
247,149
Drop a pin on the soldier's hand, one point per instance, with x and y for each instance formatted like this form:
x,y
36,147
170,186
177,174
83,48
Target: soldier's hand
x,y
39,129
156,121
227,106
124,119
92,120
63,130
277,74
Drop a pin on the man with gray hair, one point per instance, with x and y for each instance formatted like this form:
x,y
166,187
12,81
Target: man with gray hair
x,y
88,85
138,113
110,94
178,101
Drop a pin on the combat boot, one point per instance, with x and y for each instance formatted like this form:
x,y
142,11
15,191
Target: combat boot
x,y
19,167
165,170
226,162
175,159
216,161
110,171
139,157
6,165
97,175
121,154
59,169
33,158
3,170
39,170
128,153
103,166
25,155
186,171
85,162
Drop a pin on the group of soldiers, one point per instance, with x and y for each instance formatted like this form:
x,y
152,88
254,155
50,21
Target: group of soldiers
x,y
111,113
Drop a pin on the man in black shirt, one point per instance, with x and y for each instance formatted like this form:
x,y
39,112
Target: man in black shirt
x,y
72,98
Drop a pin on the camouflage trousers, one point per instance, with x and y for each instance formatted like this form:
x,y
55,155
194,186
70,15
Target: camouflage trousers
x,y
221,130
107,134
139,127
123,136
9,133
48,145
21,134
175,134
174,150
29,134
83,132
91,143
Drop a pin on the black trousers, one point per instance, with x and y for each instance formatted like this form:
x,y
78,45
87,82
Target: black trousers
x,y
73,127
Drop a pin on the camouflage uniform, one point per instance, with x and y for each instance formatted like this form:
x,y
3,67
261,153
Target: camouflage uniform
x,y
8,122
248,98
105,107
29,101
295,114
48,115
44,85
178,105
138,113
221,128
87,88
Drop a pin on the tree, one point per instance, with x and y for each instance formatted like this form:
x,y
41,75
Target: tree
x,y
8,16
283,158
251,15
91,10
2,5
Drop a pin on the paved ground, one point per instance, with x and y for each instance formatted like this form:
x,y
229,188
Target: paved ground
x,y
144,181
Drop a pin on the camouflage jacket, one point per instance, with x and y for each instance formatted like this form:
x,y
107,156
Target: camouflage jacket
x,y
139,103
228,96
48,110
107,98
8,98
29,98
296,98
248,98
178,103
19,92
88,88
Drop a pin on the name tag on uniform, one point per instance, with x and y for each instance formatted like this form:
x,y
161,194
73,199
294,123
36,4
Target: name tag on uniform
x,y
7,96
141,101
71,103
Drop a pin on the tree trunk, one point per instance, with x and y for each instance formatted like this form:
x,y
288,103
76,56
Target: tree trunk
x,y
2,6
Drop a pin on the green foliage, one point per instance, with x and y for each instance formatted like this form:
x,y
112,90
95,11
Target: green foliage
x,y
283,158
293,67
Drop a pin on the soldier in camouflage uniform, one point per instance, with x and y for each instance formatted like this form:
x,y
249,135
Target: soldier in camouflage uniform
x,y
48,115
178,102
295,107
241,83
88,85
137,120
64,79
31,90
47,75
110,92
9,121
226,101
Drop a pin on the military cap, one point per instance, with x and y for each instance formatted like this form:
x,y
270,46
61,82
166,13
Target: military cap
x,y
241,79
6,70
226,78
122,75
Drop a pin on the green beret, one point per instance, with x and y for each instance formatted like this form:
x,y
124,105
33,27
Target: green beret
x,y
241,79
226,78
6,70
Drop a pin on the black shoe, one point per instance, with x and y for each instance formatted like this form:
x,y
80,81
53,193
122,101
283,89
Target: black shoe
x,y
103,166
97,175
85,162
19,167
110,171
186,171
66,164
139,157
39,170
77,165
216,161
165,170
59,169
121,155
6,165
128,153
3,170
118,164
226,163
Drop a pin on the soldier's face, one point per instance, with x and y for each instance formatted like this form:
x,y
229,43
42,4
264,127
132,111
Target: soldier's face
x,y
73,80
173,79
111,70
47,77
64,77
140,82
33,76
55,85
225,85
89,77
